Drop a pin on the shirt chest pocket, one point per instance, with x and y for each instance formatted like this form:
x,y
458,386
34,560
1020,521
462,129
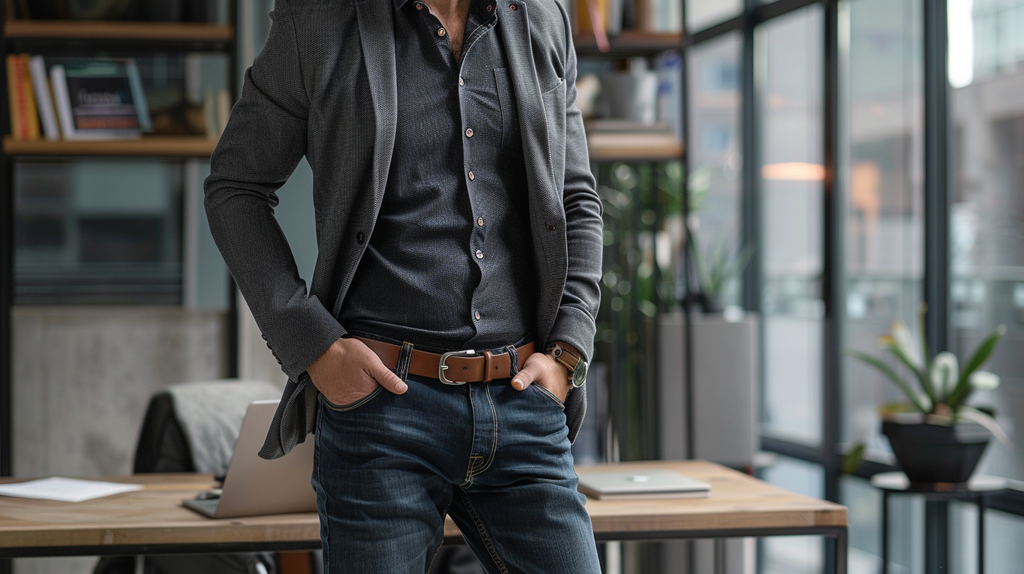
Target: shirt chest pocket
x,y
511,140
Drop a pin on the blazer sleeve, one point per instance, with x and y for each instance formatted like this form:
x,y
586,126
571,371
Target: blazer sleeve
x,y
575,322
263,142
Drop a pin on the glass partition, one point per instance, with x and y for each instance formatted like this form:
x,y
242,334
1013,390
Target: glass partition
x,y
789,63
715,150
987,215
98,231
883,203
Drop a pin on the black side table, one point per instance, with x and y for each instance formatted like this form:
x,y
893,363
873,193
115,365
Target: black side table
x,y
936,508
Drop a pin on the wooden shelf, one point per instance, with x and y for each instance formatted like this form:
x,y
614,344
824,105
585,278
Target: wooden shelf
x,y
151,146
629,43
119,35
630,147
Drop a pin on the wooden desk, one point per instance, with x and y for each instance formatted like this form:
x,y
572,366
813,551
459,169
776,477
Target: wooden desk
x,y
151,521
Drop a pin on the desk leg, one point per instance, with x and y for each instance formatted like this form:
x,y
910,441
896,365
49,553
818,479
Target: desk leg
x,y
885,532
936,537
719,559
842,550
982,506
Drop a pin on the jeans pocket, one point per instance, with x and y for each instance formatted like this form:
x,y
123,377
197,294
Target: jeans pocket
x,y
353,405
544,391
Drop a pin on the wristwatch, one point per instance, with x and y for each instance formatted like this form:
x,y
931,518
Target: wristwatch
x,y
570,360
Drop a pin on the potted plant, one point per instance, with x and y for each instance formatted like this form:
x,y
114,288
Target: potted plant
x,y
715,268
935,435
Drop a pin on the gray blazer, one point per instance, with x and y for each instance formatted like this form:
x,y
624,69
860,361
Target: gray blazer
x,y
324,87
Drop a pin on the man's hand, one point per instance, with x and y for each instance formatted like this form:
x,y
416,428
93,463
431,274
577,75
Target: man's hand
x,y
544,370
348,371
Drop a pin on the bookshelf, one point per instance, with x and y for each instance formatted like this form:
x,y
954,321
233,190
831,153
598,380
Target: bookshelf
x,y
62,35
628,43
56,38
147,146
630,147
63,30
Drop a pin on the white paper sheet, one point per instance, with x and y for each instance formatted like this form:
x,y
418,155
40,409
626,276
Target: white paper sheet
x,y
66,489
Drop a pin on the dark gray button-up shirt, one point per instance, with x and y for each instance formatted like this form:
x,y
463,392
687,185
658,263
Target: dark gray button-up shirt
x,y
449,263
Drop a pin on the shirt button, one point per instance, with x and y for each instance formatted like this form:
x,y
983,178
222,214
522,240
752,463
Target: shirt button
x,y
419,6
489,8
441,32
469,133
462,82
479,254
480,221
477,315
471,176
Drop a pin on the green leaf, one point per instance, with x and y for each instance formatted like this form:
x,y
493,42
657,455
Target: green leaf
x,y
963,387
887,371
922,378
853,459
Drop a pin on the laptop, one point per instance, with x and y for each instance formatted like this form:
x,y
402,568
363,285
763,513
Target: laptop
x,y
632,485
254,486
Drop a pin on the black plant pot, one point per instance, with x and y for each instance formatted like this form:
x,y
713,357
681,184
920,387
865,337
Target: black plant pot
x,y
930,453
711,303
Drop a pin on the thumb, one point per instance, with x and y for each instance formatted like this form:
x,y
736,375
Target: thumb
x,y
526,376
387,379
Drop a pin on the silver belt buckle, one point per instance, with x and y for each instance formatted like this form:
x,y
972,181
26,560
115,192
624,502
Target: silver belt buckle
x,y
442,367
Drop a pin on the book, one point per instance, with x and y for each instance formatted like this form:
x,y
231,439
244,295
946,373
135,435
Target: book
x,y
44,98
100,99
24,118
223,111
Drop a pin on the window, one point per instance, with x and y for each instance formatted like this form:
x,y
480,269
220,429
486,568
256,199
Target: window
x,y
789,61
884,207
701,14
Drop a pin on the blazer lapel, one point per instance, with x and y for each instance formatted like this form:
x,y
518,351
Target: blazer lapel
x,y
376,34
526,86
545,204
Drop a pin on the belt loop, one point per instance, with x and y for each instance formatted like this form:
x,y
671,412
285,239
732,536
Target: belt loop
x,y
513,360
488,376
404,358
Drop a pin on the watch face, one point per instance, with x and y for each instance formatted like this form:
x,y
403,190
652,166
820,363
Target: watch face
x,y
579,376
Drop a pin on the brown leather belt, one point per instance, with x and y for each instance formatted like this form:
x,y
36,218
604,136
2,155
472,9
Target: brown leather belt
x,y
457,367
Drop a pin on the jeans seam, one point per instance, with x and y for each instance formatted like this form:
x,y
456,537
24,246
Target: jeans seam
x,y
484,536
494,442
472,439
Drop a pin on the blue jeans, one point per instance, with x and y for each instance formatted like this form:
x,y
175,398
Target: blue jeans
x,y
389,467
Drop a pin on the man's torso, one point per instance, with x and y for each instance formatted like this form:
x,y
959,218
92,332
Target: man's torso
x,y
441,266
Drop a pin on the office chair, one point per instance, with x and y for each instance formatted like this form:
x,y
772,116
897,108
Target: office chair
x,y
164,446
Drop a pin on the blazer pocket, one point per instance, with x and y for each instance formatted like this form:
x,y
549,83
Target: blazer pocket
x,y
559,85
554,112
